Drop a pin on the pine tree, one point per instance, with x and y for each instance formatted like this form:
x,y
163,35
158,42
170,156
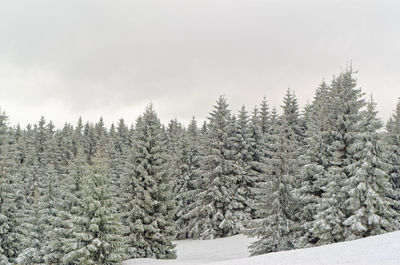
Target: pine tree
x,y
393,150
343,123
274,226
368,187
32,175
261,150
315,163
64,240
118,149
187,183
10,196
77,137
96,232
218,213
242,145
264,118
89,141
63,148
292,132
150,206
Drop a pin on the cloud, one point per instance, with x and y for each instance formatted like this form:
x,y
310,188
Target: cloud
x,y
110,58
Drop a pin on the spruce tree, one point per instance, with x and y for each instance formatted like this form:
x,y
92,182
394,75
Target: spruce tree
x,y
187,182
392,155
264,117
346,103
118,149
10,196
292,132
243,147
368,187
315,162
274,226
64,240
261,150
218,211
96,232
149,203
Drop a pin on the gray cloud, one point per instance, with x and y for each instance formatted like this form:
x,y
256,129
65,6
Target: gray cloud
x,y
64,59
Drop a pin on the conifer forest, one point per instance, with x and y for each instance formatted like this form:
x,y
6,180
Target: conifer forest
x,y
291,177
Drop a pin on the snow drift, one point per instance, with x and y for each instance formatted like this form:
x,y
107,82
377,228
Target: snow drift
x,y
376,250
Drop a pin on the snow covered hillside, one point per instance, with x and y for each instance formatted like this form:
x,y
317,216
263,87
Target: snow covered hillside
x,y
377,250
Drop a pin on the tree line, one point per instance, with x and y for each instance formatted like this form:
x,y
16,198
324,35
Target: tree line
x,y
87,194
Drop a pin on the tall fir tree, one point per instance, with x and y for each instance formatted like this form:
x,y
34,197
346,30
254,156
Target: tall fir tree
x,y
315,161
11,196
368,188
149,203
187,182
242,147
96,232
33,172
118,150
346,103
218,212
274,224
392,155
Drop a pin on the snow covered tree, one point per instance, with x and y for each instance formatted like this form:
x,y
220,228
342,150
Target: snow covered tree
x,y
64,148
68,209
219,212
243,145
291,131
368,187
187,182
89,141
392,155
41,163
315,162
149,205
343,128
118,150
10,196
261,149
264,117
77,137
96,233
274,226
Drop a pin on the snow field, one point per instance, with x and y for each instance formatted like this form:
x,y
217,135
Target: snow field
x,y
376,250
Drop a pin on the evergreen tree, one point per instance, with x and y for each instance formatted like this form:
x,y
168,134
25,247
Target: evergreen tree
x,y
150,206
243,145
292,136
261,150
10,196
187,183
315,161
42,162
368,187
118,149
393,149
64,240
89,141
264,117
343,127
32,176
274,226
218,211
96,232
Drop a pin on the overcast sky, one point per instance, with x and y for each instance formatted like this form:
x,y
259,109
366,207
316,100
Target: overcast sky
x,y
65,59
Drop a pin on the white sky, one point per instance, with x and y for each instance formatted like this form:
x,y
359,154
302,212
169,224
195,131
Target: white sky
x,y
69,58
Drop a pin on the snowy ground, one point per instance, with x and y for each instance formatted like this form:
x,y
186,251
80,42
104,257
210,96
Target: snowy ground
x,y
377,250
